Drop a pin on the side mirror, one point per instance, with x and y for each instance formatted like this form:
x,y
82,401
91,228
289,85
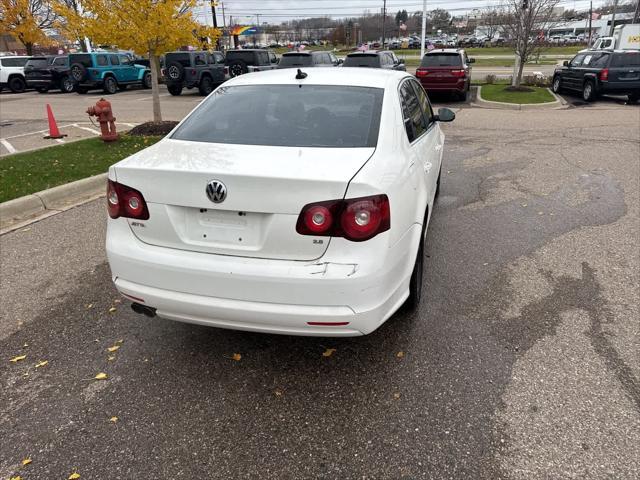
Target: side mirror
x,y
340,61
400,61
565,63
274,60
472,60
445,115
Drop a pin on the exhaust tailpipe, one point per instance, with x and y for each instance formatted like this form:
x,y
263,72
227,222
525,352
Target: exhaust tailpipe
x,y
144,310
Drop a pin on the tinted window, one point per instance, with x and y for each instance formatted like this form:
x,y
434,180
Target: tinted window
x,y
372,61
218,58
125,60
577,60
246,57
83,58
442,60
627,59
424,102
600,60
60,61
263,58
101,60
182,58
37,63
412,112
288,116
114,60
14,62
295,60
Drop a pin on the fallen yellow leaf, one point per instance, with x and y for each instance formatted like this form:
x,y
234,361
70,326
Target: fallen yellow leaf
x,y
89,305
328,352
113,349
18,358
112,309
400,354
42,363
111,358
26,461
17,477
117,300
278,392
74,476
120,341
101,376
113,419
237,357
396,396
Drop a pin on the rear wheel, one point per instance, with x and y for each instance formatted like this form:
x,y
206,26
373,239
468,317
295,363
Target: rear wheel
x,y
110,86
175,90
206,85
67,85
438,183
415,284
556,86
588,92
463,96
633,97
17,84
146,80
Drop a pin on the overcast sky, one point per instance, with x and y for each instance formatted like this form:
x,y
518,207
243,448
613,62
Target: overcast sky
x,y
276,11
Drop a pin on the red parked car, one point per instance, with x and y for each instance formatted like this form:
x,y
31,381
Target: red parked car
x,y
446,70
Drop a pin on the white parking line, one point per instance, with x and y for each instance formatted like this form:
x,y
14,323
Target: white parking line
x,y
88,129
59,140
8,146
37,132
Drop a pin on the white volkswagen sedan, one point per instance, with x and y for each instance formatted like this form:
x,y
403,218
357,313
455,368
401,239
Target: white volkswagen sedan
x,y
286,202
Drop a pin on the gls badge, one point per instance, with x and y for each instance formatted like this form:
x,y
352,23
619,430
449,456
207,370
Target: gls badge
x,y
216,191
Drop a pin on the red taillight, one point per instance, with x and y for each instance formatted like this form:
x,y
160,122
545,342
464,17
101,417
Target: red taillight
x,y
356,219
421,72
458,73
604,74
123,201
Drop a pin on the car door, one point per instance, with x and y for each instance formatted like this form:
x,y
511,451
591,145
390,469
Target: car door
x,y
116,68
128,71
574,74
218,67
433,143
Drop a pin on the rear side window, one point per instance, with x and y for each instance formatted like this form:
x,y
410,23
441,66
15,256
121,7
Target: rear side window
x,y
183,59
424,102
412,112
627,59
263,58
372,61
600,60
114,59
60,62
218,58
84,59
14,62
295,60
37,63
101,60
287,116
442,60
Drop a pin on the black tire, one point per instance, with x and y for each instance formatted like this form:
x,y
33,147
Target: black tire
x,y
175,71
146,80
438,183
42,89
81,90
556,86
633,98
110,86
464,95
588,91
206,85
174,90
66,84
122,88
17,84
237,67
78,72
415,284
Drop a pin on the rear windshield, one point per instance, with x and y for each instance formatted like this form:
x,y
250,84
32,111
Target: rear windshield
x,y
361,61
182,58
14,62
627,59
246,57
37,63
287,116
441,60
83,58
295,60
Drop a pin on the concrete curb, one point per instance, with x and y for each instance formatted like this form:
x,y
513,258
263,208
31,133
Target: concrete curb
x,y
516,106
30,208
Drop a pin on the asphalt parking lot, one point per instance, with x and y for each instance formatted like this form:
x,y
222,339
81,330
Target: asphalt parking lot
x,y
523,361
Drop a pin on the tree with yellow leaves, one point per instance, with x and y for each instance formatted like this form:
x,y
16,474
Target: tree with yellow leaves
x,y
150,27
27,20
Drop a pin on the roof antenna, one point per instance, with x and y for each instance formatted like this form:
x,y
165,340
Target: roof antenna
x,y
301,75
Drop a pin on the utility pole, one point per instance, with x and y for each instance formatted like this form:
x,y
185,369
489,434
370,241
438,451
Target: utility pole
x,y
424,27
613,18
590,18
636,16
224,22
384,20
215,20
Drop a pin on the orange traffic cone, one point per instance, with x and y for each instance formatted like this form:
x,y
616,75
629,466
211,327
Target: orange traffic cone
x,y
53,127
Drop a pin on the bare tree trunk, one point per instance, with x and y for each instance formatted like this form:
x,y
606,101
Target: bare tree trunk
x,y
29,47
155,93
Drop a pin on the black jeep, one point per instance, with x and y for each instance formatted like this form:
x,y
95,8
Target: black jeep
x,y
244,61
599,72
193,69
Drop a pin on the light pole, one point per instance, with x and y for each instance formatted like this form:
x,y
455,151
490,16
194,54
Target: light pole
x,y
424,27
384,20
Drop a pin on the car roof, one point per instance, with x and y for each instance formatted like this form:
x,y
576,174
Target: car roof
x,y
444,50
371,53
356,77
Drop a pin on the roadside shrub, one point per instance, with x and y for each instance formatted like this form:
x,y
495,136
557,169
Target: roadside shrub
x,y
536,80
490,79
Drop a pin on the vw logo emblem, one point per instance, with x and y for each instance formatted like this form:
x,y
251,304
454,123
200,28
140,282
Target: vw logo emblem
x,y
216,191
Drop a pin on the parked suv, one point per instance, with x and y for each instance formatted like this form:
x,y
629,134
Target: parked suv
x,y
12,73
109,71
193,69
599,72
383,59
446,70
47,72
239,62
308,59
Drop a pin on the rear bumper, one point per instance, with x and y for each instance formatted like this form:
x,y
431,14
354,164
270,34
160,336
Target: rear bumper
x,y
620,88
457,86
270,296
